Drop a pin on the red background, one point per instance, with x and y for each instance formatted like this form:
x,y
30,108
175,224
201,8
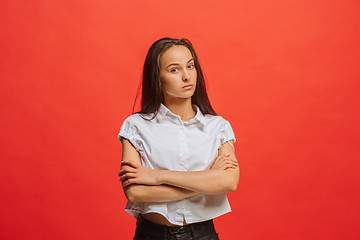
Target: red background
x,y
284,73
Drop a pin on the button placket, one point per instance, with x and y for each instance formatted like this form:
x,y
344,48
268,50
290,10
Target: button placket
x,y
183,147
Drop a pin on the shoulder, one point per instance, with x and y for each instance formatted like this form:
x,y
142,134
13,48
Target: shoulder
x,y
131,123
215,119
130,127
219,124
137,118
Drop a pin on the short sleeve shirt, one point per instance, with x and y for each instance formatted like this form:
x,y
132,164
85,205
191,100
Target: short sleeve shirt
x,y
165,142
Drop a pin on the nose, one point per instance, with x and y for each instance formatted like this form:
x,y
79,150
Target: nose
x,y
186,76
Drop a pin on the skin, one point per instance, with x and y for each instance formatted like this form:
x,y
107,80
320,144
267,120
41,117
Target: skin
x,y
141,184
176,68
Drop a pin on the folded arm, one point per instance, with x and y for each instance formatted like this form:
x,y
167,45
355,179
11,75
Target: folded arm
x,y
216,180
160,193
145,185
148,193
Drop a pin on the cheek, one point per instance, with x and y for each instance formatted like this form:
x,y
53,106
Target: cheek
x,y
163,80
166,83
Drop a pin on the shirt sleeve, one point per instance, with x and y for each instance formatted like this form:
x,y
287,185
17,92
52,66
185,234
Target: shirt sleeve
x,y
226,133
129,131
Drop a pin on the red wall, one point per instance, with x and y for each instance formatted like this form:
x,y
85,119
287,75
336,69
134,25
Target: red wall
x,y
284,73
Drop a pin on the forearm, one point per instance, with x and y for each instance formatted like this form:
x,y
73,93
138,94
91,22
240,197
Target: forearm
x,y
206,182
160,193
142,184
222,177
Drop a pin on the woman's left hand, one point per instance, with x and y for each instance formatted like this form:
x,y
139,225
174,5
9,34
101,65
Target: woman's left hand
x,y
132,173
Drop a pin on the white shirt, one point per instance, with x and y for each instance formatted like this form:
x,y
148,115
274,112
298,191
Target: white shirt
x,y
167,142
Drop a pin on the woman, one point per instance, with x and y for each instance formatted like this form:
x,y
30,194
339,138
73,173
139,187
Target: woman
x,y
178,159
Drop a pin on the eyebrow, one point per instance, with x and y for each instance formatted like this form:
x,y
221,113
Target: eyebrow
x,y
179,63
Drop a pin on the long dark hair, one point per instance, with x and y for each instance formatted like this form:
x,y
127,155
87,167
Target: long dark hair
x,y
152,96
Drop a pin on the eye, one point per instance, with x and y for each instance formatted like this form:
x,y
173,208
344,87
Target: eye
x,y
191,65
174,70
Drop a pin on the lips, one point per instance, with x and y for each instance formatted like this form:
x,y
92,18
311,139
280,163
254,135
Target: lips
x,y
189,86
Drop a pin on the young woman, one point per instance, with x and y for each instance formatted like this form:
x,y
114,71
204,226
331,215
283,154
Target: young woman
x,y
178,158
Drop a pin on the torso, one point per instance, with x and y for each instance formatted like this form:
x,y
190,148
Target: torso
x,y
159,219
192,145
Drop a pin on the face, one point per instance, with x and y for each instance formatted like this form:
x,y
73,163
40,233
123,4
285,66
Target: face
x,y
177,73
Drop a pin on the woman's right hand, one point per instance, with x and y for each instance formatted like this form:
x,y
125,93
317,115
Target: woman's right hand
x,y
223,162
135,173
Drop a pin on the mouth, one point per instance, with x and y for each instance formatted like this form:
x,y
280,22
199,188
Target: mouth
x,y
189,86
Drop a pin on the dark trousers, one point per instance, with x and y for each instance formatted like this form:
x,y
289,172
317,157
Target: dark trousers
x,y
146,230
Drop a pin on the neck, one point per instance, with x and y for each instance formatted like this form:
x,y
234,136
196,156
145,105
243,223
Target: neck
x,y
182,108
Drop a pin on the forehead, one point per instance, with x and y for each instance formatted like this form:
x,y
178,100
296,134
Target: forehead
x,y
175,54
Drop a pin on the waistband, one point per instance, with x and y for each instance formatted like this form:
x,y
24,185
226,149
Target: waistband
x,y
174,230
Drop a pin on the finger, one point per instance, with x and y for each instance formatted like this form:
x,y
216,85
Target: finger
x,y
230,160
129,163
221,156
222,165
232,165
235,161
127,169
122,172
127,176
227,157
225,154
129,182
219,159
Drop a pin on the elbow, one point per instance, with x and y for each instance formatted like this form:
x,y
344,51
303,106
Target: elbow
x,y
232,187
132,194
228,182
233,180
226,187
131,197
232,184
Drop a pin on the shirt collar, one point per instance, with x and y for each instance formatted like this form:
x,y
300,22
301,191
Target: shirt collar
x,y
164,111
